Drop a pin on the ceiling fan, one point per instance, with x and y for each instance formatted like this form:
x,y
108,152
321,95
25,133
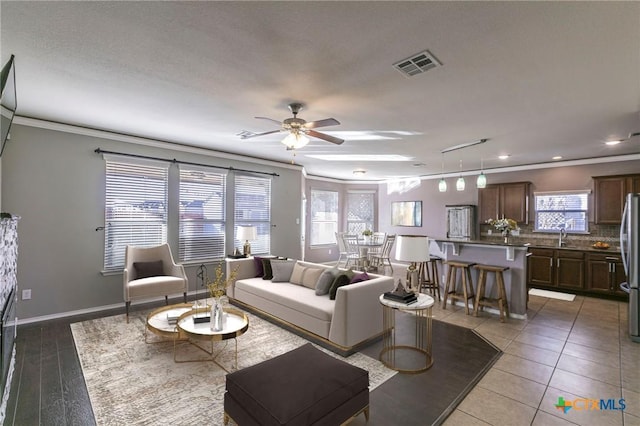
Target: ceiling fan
x,y
297,129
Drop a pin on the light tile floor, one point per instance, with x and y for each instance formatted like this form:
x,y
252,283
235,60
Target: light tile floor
x,y
578,349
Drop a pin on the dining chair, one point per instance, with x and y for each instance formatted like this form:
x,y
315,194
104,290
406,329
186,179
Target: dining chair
x,y
353,250
377,238
385,253
342,248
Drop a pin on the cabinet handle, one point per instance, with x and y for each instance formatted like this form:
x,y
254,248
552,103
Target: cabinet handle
x,y
558,263
609,265
550,263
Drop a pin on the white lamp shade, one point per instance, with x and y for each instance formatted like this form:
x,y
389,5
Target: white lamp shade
x,y
295,140
442,185
248,233
412,248
460,184
481,182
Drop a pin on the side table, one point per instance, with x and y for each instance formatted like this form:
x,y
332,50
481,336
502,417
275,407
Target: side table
x,y
394,355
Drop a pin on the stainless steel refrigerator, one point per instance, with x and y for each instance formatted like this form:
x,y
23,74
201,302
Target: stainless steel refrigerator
x,y
630,250
461,222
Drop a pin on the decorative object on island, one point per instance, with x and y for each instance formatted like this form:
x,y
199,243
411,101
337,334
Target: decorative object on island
x,y
218,288
247,233
505,226
414,249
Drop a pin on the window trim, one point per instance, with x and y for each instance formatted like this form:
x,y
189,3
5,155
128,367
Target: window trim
x,y
311,221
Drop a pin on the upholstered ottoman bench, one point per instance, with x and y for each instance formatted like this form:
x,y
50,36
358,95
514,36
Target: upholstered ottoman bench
x,y
302,387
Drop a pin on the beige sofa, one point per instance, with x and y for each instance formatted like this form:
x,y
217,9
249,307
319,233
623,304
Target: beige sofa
x,y
354,317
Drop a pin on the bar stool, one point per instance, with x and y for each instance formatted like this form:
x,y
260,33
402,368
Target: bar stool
x,y
451,284
501,302
429,276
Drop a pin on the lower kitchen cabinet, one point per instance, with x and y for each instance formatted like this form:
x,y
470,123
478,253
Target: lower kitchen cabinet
x,y
605,272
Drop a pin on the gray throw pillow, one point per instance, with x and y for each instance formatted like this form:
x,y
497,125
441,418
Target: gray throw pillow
x,y
282,270
324,282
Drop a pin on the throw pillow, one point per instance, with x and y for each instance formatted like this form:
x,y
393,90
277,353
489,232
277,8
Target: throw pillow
x,y
257,261
297,274
360,277
310,277
341,280
148,269
282,270
324,282
266,268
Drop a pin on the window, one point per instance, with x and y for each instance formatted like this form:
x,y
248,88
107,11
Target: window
x,y
360,214
556,210
253,208
135,207
202,214
324,217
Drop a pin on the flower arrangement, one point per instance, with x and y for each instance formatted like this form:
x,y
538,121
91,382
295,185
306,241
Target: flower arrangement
x,y
367,233
504,225
218,287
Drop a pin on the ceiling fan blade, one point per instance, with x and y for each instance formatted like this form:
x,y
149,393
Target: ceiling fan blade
x,y
325,137
279,123
322,123
246,134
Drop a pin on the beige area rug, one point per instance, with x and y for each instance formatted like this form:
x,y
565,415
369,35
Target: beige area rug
x,y
132,382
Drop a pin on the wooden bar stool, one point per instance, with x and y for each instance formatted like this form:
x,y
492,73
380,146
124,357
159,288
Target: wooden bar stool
x,y
501,301
429,276
451,284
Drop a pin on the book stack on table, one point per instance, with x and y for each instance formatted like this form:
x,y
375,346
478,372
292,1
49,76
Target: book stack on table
x,y
403,297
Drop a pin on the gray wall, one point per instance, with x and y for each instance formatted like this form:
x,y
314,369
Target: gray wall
x,y
548,179
55,182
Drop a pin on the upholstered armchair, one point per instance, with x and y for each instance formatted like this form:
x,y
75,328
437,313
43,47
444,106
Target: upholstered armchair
x,y
151,272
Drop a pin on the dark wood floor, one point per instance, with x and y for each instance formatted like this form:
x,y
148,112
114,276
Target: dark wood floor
x,y
48,387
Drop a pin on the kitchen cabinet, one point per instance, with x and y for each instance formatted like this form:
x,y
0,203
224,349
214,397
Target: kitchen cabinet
x,y
609,196
510,200
605,272
560,269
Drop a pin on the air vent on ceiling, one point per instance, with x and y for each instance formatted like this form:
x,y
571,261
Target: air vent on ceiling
x,y
417,64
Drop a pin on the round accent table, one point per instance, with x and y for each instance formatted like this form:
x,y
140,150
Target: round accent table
x,y
236,323
406,358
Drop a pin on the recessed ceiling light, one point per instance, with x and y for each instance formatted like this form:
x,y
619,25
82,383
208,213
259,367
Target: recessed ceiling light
x,y
354,157
612,142
557,157
504,157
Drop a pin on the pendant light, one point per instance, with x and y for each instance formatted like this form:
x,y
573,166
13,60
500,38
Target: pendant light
x,y
460,182
442,185
481,182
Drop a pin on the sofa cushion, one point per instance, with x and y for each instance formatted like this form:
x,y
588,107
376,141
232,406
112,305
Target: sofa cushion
x,y
341,280
282,270
324,281
257,261
266,268
148,269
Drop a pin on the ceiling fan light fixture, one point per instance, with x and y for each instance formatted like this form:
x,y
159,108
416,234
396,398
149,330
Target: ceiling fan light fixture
x,y
295,140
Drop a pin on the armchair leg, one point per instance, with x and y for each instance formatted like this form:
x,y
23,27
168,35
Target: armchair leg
x,y
126,307
185,296
166,299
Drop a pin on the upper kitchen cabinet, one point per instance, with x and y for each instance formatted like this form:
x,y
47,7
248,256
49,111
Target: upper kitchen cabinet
x,y
609,195
510,200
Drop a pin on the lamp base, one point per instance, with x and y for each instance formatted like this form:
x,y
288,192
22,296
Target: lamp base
x,y
246,248
414,282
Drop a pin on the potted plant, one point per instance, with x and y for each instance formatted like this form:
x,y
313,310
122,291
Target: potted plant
x,y
366,234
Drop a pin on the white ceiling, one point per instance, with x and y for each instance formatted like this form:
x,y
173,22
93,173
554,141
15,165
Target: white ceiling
x,y
538,79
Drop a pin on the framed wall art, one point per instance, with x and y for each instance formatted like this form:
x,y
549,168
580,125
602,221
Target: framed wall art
x,y
406,213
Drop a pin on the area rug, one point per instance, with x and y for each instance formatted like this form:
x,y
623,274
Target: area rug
x,y
133,382
552,294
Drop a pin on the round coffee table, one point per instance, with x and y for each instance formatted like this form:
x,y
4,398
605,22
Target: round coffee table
x,y
158,320
423,331
235,324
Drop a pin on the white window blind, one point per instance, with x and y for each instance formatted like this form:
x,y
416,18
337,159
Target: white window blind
x,y
202,214
324,217
135,208
360,205
253,208
562,210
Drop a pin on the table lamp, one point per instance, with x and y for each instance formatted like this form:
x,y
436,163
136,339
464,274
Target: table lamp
x,y
247,233
414,249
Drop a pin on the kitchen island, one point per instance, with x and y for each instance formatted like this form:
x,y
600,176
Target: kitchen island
x,y
512,256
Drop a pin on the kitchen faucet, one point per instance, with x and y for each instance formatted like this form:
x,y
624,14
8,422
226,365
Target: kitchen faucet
x,y
561,235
